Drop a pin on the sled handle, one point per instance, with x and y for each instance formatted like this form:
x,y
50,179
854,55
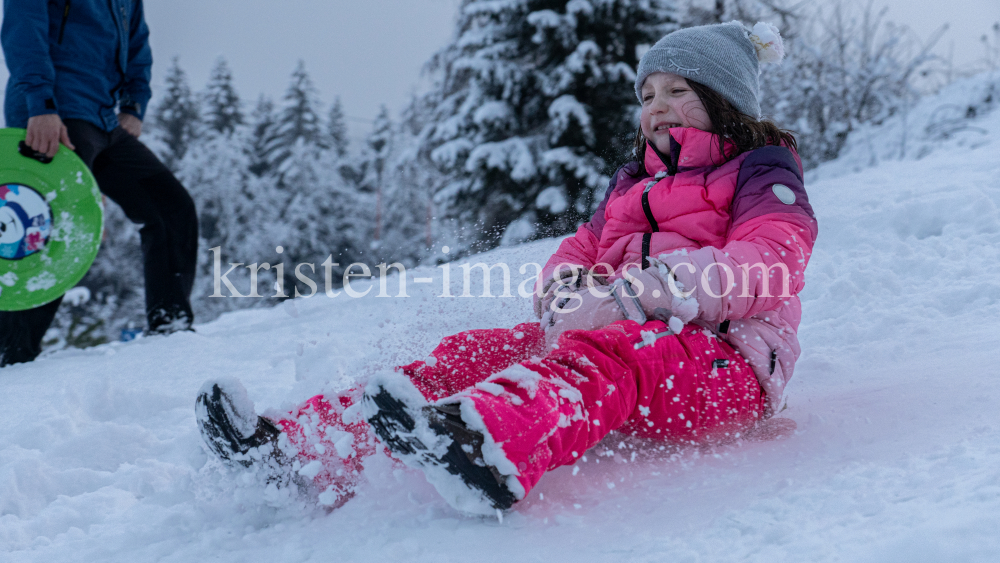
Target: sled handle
x,y
29,152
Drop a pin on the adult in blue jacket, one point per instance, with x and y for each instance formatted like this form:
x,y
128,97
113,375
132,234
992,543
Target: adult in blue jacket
x,y
79,75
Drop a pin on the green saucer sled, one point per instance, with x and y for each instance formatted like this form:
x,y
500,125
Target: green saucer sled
x,y
51,220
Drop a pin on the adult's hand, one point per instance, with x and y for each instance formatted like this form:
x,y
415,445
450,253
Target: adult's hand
x,y
131,124
45,132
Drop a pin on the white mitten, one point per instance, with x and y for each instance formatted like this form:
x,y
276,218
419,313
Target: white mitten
x,y
563,283
662,295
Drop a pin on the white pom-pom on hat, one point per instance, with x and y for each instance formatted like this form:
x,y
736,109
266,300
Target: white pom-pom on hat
x,y
767,41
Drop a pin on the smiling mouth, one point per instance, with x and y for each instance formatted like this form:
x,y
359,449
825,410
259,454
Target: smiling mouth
x,y
666,126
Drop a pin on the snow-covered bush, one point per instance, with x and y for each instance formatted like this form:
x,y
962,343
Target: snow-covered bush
x,y
949,117
846,66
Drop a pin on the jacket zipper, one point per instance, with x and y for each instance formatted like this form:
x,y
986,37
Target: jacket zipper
x,y
62,25
648,237
647,211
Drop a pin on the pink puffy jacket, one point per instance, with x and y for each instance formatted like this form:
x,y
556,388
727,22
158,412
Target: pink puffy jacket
x,y
701,219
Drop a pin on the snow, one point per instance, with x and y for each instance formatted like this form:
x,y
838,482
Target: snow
x,y
519,230
495,112
42,281
236,403
447,154
76,296
896,457
564,111
545,18
510,155
521,376
552,198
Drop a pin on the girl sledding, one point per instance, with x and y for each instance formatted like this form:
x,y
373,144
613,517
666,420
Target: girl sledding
x,y
671,315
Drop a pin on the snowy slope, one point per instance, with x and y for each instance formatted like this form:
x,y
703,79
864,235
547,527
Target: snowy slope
x,y
896,457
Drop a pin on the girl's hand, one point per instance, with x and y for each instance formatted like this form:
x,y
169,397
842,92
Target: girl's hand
x,y
662,295
562,284
644,294
587,311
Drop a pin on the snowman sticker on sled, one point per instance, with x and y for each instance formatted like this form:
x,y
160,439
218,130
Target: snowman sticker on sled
x,y
25,221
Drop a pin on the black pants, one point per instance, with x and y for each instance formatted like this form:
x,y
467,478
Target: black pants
x,y
149,194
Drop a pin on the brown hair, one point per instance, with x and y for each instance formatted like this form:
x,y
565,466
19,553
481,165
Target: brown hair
x,y
728,123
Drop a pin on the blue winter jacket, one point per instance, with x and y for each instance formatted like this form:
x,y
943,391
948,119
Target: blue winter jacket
x,y
81,59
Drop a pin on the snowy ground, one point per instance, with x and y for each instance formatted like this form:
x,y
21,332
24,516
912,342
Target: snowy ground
x,y
896,457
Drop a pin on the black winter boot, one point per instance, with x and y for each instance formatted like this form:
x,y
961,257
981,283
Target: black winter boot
x,y
230,426
442,445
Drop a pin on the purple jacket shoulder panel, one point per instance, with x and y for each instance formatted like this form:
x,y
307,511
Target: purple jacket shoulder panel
x,y
769,182
623,179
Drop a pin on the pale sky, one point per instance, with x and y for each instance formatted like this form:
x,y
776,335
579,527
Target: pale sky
x,y
371,52
968,21
368,52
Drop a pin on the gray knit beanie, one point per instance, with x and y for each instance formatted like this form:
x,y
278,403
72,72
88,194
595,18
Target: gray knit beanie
x,y
725,57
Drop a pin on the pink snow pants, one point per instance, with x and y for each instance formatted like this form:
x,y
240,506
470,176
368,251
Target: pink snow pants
x,y
546,408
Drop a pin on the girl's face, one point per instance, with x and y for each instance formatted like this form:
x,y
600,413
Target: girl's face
x,y
668,101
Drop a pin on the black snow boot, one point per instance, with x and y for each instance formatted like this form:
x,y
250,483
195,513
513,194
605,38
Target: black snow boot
x,y
451,446
230,426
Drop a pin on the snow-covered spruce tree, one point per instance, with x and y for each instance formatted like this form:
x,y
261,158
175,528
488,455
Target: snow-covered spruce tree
x,y
222,108
262,136
392,183
337,129
378,150
532,107
317,213
338,141
299,118
176,116
216,172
